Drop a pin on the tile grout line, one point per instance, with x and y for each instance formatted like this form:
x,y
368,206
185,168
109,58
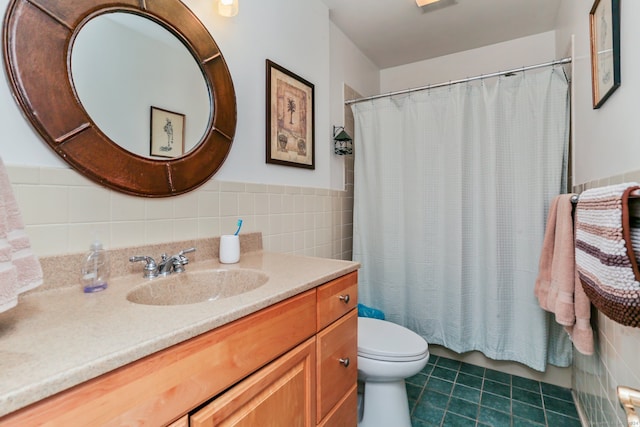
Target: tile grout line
x,y
544,409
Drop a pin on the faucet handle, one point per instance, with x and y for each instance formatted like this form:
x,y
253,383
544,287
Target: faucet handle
x,y
181,260
147,259
150,269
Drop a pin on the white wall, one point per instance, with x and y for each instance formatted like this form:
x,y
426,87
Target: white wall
x,y
293,34
348,66
292,207
606,151
606,140
511,54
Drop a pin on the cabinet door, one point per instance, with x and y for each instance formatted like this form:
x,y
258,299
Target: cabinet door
x,y
337,362
280,394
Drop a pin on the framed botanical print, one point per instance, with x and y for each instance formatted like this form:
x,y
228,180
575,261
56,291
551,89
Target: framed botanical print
x,y
290,119
604,20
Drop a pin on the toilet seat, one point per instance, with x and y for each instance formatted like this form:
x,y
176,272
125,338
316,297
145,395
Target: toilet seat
x,y
382,340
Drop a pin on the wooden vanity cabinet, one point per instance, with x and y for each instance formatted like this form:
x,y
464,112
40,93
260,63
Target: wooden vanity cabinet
x,y
313,384
284,360
162,387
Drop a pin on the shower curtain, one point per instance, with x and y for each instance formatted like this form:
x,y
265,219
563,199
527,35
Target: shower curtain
x,y
452,188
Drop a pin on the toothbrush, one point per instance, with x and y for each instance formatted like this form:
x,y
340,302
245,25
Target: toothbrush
x,y
239,227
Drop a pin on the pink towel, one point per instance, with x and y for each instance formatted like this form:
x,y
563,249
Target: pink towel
x,y
20,270
557,288
543,282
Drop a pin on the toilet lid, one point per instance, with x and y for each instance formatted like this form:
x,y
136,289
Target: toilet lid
x,y
383,340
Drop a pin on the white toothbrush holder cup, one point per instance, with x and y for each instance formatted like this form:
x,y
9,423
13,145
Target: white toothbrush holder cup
x,y
229,249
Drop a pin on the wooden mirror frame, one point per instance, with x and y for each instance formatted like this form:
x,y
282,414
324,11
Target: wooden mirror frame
x,y
37,37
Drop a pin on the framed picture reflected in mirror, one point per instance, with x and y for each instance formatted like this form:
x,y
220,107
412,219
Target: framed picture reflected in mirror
x,y
167,133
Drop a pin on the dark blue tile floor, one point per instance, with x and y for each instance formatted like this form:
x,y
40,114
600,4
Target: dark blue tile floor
x,y
448,393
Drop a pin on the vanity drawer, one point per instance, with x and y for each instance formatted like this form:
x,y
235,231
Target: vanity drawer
x,y
336,345
345,414
337,298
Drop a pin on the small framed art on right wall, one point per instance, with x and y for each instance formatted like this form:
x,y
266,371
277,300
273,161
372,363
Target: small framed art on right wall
x,y
604,25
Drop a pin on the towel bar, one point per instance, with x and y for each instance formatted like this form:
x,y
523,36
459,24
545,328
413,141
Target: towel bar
x,y
635,194
629,399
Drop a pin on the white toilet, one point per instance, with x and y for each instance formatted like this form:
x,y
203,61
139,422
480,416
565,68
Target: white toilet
x,y
387,354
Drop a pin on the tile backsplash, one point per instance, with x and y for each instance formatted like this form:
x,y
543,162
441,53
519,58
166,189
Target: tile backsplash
x,y
615,361
63,211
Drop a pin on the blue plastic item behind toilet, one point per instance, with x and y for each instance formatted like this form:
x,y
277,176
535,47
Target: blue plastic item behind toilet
x,y
364,311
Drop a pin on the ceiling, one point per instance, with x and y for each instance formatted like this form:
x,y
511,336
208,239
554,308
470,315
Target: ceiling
x,y
397,32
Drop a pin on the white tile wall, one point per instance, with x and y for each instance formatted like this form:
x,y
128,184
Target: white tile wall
x,y
62,211
617,357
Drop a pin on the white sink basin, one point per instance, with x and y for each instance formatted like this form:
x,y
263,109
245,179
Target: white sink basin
x,y
197,286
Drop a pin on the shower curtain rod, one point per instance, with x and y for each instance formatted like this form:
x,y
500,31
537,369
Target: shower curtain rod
x,y
453,82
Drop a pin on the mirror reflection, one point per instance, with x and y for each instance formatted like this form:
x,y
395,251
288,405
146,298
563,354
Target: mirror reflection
x,y
122,65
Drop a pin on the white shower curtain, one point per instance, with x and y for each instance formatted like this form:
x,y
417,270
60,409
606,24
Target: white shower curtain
x,y
452,188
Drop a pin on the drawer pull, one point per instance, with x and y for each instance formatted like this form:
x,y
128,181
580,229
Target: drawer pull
x,y
345,362
345,298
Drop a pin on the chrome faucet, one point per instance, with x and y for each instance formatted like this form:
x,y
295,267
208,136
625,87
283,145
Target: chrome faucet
x,y
174,263
168,265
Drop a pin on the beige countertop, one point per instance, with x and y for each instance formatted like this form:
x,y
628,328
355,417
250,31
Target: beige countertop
x,y
57,338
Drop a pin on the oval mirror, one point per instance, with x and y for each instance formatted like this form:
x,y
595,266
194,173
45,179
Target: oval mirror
x,y
38,40
121,64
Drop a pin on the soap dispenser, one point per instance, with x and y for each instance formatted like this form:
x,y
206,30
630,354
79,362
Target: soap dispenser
x,y
95,269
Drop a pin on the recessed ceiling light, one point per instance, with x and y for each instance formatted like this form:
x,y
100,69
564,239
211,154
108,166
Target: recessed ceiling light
x,y
421,3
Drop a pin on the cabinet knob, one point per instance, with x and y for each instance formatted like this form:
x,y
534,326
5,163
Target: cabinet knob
x,y
345,298
345,362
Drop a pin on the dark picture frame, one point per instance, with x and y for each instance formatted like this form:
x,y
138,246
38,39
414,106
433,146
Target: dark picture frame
x,y
604,25
167,133
290,118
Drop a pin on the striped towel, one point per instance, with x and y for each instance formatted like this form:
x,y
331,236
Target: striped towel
x,y
605,256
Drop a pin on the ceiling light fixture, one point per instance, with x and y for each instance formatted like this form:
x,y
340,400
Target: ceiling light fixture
x,y
421,3
228,8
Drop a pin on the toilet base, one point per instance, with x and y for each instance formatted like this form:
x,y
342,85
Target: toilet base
x,y
385,404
